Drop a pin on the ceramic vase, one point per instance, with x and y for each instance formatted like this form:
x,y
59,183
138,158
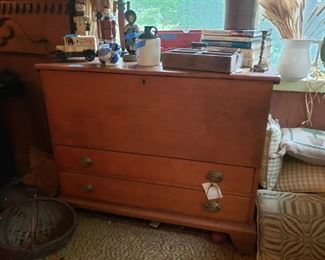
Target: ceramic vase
x,y
295,61
148,47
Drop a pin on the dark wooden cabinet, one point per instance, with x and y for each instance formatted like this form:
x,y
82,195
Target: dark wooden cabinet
x,y
140,142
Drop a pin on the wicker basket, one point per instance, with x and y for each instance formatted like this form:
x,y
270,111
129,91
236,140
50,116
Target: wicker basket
x,y
35,228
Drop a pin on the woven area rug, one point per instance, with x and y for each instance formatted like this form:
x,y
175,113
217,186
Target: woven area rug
x,y
103,236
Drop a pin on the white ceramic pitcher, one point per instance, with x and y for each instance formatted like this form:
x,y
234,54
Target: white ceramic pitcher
x,y
295,61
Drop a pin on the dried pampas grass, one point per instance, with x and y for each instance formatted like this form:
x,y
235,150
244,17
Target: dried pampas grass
x,y
286,15
314,26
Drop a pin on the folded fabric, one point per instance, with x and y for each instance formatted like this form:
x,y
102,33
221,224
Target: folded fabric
x,y
305,144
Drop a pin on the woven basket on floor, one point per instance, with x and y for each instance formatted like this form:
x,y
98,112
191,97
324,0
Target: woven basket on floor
x,y
35,228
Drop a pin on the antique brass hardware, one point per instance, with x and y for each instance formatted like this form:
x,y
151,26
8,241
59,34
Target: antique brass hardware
x,y
212,206
215,176
87,188
85,161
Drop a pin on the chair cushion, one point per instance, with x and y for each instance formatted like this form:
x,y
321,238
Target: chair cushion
x,y
298,176
305,144
271,159
290,225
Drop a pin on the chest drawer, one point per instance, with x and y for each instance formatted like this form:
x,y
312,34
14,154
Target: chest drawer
x,y
152,196
153,169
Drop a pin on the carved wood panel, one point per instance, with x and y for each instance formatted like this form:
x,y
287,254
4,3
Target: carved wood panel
x,y
33,7
34,26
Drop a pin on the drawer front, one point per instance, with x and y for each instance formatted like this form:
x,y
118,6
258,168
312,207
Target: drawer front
x,y
214,120
151,196
173,172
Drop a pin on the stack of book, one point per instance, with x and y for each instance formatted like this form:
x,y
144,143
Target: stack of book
x,y
248,41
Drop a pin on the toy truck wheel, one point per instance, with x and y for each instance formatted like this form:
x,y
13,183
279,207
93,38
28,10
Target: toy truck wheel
x,y
61,56
90,55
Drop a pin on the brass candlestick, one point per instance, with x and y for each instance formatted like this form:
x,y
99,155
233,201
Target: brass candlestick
x,y
260,67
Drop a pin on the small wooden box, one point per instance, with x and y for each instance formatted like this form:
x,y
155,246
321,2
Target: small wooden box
x,y
196,59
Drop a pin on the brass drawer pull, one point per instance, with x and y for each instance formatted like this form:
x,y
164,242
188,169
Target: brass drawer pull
x,y
85,161
215,176
87,188
212,206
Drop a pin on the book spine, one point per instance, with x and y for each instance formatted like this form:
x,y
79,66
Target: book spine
x,y
230,38
230,44
255,47
233,33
